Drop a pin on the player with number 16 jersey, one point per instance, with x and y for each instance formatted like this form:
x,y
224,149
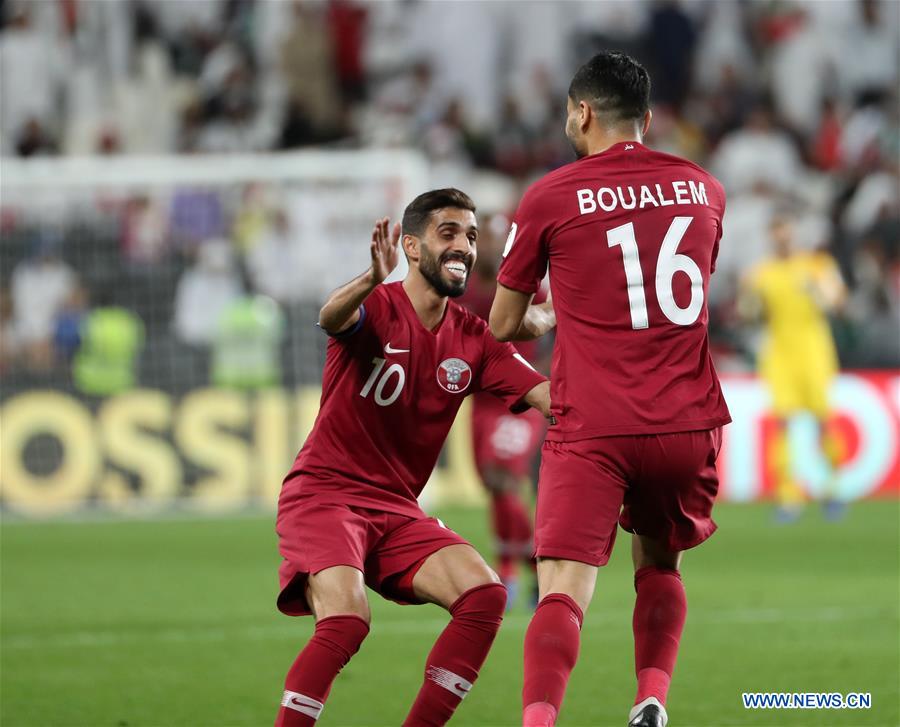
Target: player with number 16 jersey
x,y
630,236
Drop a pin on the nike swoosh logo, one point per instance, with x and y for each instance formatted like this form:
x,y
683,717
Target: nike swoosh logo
x,y
388,349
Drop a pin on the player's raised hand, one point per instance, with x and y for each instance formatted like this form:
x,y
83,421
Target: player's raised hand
x,y
384,248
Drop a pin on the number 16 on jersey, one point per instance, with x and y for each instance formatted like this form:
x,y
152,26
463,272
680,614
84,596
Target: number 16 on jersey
x,y
668,263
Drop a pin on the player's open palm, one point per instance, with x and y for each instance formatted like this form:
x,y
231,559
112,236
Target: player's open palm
x,y
385,248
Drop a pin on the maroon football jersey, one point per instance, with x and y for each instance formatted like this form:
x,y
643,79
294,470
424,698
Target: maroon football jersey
x,y
479,297
630,236
390,392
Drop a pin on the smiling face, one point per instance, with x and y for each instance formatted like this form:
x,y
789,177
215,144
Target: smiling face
x,y
447,250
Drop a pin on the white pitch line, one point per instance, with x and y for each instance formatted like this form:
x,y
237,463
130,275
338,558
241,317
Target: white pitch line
x,y
513,622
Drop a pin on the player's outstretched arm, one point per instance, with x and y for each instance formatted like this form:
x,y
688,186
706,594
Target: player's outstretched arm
x,y
539,398
341,310
513,318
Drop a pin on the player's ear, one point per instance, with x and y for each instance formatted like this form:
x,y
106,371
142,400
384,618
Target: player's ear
x,y
648,117
410,247
585,114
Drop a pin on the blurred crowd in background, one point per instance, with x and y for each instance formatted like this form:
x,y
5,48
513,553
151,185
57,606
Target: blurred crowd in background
x,y
792,104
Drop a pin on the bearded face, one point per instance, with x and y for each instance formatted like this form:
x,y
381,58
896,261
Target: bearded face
x,y
448,273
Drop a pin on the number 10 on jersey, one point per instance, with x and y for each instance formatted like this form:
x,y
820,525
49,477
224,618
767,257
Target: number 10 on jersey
x,y
668,263
383,379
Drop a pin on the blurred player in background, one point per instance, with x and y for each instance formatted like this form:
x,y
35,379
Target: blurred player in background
x,y
504,445
631,235
400,360
792,292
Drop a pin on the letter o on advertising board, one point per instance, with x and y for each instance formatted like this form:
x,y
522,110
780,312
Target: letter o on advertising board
x,y
65,489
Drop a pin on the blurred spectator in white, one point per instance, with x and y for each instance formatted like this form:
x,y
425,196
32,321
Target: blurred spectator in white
x,y
234,125
145,231
473,75
803,58
757,153
205,290
41,286
413,99
876,198
862,137
31,72
869,47
723,42
275,263
147,104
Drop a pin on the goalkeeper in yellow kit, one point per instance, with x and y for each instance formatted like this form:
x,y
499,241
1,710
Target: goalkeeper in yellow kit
x,y
792,291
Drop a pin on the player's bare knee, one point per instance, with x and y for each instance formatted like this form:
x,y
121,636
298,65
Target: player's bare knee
x,y
574,579
647,552
336,593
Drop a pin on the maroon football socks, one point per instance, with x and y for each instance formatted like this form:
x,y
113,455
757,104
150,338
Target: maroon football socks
x,y
309,680
551,650
512,527
660,610
457,655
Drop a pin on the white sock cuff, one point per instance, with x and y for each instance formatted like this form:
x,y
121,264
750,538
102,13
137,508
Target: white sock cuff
x,y
301,703
449,681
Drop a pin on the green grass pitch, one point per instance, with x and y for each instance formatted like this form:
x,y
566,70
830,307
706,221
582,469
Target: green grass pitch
x,y
172,622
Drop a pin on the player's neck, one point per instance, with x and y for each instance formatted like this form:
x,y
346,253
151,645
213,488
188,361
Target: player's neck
x,y
428,305
603,139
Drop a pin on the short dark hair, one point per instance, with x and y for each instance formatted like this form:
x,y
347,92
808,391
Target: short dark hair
x,y
615,85
418,212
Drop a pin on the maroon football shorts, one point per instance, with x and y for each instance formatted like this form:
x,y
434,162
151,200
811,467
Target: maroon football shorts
x,y
502,440
660,485
388,548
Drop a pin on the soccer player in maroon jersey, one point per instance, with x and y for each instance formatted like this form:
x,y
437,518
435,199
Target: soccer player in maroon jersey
x,y
504,445
400,360
630,236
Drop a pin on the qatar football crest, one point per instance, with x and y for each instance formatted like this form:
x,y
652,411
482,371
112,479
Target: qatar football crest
x,y
454,375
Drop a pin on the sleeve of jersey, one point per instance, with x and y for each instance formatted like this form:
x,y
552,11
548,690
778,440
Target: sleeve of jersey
x,y
525,256
505,373
715,253
369,315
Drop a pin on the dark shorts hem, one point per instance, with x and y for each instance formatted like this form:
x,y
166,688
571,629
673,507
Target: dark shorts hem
x,y
675,544
569,554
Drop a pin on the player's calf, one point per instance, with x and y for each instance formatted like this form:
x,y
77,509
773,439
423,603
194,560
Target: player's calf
x,y
337,597
335,641
458,654
660,610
